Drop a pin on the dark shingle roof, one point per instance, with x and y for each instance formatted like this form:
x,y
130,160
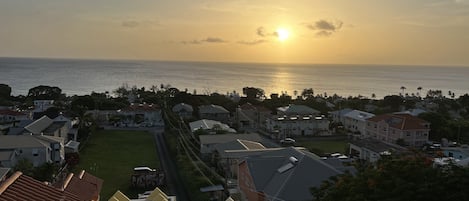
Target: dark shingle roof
x,y
293,183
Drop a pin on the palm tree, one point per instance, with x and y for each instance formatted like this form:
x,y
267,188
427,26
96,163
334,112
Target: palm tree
x,y
403,88
420,90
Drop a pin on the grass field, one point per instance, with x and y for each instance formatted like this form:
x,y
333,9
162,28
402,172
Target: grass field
x,y
112,155
324,146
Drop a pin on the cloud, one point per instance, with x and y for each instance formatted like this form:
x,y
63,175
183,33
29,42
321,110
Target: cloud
x,y
260,31
138,23
206,40
254,42
130,23
324,27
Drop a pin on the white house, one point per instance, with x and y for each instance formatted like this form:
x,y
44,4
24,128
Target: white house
x,y
355,120
38,149
297,120
59,127
287,126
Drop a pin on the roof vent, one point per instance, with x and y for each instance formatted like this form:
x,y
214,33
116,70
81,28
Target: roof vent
x,y
293,160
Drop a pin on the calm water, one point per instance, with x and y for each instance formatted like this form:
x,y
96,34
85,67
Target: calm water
x,y
84,76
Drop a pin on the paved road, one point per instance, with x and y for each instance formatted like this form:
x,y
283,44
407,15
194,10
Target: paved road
x,y
173,180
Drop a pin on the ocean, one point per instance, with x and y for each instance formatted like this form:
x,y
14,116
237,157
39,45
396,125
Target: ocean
x,y
80,77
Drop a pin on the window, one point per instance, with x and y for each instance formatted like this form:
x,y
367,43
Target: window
x,y
35,152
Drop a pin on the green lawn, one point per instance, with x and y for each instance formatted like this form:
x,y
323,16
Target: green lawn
x,y
112,155
323,146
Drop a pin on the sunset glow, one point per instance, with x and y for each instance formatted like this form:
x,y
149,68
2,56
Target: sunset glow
x,y
303,31
282,34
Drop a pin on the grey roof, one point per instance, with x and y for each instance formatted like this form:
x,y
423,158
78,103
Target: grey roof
x,y
358,115
291,184
182,107
26,141
212,109
245,153
341,112
54,126
224,138
297,110
207,124
39,125
239,145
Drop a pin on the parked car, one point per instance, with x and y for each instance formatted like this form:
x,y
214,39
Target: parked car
x,y
287,141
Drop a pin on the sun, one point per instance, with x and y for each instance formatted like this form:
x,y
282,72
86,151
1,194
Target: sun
x,y
282,34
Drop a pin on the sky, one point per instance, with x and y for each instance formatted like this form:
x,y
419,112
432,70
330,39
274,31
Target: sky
x,y
416,32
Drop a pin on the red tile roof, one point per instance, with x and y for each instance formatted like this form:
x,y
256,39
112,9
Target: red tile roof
x,y
85,186
401,121
24,188
11,113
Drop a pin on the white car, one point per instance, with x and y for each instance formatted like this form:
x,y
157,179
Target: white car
x,y
287,141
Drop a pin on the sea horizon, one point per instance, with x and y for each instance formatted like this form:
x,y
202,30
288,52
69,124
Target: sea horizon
x,y
98,75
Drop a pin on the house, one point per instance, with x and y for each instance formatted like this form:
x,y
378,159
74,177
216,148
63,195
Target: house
x,y
155,195
36,148
230,158
413,131
249,116
339,115
297,110
183,110
355,121
9,118
214,112
286,174
210,125
42,105
84,185
230,165
142,114
208,142
59,127
21,187
287,126
102,116
371,150
297,120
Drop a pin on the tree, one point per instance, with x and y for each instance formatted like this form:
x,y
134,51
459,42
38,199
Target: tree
x,y
5,91
253,93
398,179
43,92
403,88
307,93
